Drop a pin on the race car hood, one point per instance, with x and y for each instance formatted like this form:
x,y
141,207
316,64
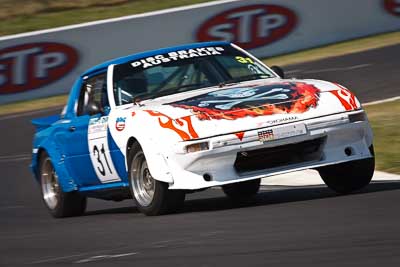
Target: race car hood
x,y
250,105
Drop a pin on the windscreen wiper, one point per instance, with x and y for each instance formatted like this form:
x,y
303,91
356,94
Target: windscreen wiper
x,y
178,88
245,78
146,96
170,91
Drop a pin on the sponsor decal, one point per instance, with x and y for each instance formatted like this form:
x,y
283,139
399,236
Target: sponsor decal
x,y
346,98
120,124
278,121
30,66
392,6
178,55
183,126
249,26
234,103
97,125
266,135
282,132
100,120
240,135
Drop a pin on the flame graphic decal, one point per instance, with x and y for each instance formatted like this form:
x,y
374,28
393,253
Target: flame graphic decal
x,y
346,98
183,126
234,103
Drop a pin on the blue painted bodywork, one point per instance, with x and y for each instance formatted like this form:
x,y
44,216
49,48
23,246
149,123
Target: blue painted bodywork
x,y
69,151
117,158
43,123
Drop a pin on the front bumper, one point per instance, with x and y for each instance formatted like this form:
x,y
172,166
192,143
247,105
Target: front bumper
x,y
335,139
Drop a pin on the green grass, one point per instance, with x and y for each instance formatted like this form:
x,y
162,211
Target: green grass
x,y
30,105
31,15
337,49
385,121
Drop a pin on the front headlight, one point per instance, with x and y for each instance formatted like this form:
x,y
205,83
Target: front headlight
x,y
197,147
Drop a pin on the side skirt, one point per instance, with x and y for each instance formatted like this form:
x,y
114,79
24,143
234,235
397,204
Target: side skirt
x,y
112,191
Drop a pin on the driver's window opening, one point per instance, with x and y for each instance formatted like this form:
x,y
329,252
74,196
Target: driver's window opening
x,y
93,91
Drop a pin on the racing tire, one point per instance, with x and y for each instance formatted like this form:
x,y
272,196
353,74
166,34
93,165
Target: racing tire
x,y
60,204
348,177
152,197
243,190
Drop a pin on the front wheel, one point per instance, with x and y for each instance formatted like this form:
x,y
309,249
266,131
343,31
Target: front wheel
x,y
152,197
60,204
350,176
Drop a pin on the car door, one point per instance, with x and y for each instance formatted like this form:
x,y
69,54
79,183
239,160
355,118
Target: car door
x,y
88,153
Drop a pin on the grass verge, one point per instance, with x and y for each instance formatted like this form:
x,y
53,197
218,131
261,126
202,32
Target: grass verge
x,y
32,15
31,105
385,119
337,49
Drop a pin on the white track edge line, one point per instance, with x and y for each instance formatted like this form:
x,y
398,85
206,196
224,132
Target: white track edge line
x,y
382,101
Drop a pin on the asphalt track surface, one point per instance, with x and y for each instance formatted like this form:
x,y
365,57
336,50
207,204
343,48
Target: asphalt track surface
x,y
301,226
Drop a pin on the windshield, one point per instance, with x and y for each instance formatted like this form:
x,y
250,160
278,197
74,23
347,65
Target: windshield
x,y
182,71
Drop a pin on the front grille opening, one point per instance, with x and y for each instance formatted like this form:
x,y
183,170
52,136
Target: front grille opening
x,y
267,158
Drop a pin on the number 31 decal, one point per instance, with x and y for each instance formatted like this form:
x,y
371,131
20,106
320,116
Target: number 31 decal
x,y
97,154
99,151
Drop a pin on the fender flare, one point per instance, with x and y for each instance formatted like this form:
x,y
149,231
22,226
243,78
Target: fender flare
x,y
156,162
67,183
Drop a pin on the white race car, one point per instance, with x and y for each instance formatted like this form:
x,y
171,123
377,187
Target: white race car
x,y
159,124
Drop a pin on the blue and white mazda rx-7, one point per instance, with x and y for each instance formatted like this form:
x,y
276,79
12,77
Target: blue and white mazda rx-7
x,y
157,125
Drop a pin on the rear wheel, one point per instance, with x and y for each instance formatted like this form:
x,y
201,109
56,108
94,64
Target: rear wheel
x,y
350,176
59,203
152,197
243,190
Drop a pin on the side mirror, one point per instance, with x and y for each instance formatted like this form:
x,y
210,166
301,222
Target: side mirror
x,y
278,70
94,108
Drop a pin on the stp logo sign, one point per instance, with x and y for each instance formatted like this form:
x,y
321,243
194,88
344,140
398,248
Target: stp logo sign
x,y
30,66
392,6
249,26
